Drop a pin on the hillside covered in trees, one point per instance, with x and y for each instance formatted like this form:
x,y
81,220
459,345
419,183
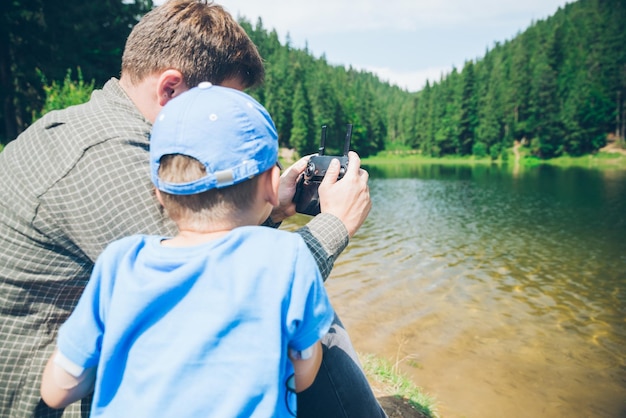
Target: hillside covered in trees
x,y
558,87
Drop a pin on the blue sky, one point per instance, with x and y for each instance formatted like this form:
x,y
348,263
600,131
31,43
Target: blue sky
x,y
404,42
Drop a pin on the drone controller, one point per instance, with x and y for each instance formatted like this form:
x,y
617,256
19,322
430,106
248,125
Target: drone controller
x,y
306,197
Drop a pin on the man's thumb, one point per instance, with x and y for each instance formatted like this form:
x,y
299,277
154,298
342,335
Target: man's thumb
x,y
332,172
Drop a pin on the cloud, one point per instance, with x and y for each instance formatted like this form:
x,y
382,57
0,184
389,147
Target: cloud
x,y
404,42
338,16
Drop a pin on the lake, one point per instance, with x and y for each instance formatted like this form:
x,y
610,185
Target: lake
x,y
500,292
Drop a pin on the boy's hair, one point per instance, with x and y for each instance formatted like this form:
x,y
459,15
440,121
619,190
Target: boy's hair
x,y
198,38
206,207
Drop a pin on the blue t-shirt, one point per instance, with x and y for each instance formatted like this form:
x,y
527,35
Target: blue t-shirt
x,y
198,331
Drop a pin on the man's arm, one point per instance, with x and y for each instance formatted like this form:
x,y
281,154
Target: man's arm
x,y
344,204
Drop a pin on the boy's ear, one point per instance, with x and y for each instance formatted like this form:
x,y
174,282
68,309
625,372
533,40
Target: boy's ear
x,y
273,181
169,85
159,196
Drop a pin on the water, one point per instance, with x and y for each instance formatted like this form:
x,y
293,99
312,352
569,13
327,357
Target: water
x,y
501,293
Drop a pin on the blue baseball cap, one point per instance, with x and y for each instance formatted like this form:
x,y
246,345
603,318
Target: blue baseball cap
x,y
228,131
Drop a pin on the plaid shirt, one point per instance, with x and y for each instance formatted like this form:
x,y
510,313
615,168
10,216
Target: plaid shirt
x,y
72,183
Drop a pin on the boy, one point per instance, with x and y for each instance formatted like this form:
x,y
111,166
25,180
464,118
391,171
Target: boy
x,y
204,323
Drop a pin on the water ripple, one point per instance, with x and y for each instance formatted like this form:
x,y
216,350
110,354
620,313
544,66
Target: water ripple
x,y
494,282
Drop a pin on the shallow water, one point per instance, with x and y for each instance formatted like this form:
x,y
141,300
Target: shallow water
x,y
502,294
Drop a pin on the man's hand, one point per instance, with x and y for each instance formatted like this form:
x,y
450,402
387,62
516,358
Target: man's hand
x,y
349,198
287,190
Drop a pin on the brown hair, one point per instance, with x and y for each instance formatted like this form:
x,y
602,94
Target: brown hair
x,y
209,206
198,38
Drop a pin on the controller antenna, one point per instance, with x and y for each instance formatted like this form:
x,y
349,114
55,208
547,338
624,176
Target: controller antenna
x,y
346,145
323,141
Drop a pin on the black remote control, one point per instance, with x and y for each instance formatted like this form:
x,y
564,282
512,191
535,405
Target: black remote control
x,y
306,197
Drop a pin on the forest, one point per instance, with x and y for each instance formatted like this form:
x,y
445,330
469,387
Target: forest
x,y
558,87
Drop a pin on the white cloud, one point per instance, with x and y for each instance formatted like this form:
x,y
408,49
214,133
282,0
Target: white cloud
x,y
338,16
402,41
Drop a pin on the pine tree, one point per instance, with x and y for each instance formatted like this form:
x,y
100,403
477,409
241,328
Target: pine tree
x,y
302,132
468,120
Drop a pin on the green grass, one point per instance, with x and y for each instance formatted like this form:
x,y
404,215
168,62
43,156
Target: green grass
x,y
600,160
396,384
413,157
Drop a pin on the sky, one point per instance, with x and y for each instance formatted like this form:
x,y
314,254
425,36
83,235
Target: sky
x,y
404,42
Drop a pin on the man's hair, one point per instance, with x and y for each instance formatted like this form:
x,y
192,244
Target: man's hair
x,y
206,207
198,38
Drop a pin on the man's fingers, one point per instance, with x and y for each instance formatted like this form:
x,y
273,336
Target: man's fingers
x,y
354,163
290,175
364,174
332,172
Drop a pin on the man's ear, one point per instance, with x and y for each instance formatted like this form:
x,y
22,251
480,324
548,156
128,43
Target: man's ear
x,y
169,85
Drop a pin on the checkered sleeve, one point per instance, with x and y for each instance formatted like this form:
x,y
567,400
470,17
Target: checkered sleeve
x,y
326,236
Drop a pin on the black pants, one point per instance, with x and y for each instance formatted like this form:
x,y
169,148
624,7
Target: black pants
x,y
340,389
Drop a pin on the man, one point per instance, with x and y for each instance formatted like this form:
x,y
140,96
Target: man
x,y
76,180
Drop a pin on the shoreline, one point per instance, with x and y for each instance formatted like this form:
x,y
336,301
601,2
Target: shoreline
x,y
399,396
605,159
